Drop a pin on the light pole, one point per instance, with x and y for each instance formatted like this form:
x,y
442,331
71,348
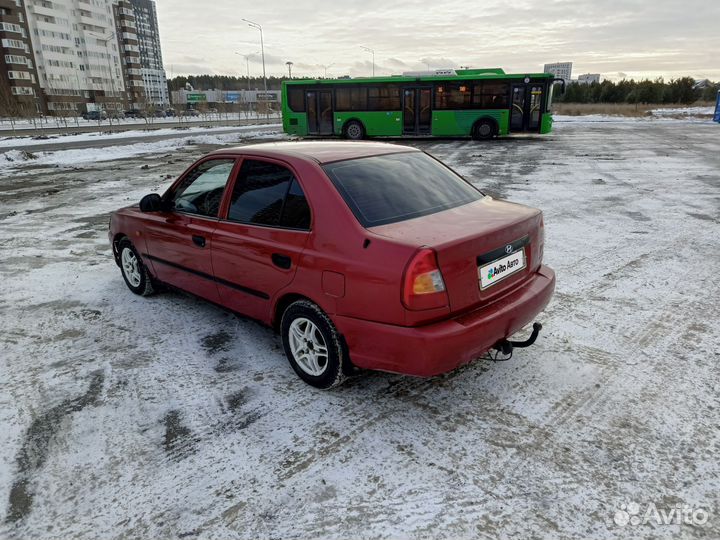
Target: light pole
x,y
106,40
262,49
247,65
325,67
368,49
289,65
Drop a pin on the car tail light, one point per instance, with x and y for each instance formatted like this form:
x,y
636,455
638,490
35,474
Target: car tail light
x,y
423,285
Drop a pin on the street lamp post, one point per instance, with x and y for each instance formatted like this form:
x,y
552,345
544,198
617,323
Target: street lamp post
x,y
262,49
371,51
289,65
105,41
325,67
247,66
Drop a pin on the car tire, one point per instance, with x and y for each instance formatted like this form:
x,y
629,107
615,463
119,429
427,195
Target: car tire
x,y
307,332
484,129
354,131
134,272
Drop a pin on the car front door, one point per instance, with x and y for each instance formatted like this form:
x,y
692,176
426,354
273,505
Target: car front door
x,y
179,239
258,243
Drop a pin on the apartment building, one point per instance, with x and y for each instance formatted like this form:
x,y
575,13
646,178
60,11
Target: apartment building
x,y
148,34
69,56
561,70
126,31
19,89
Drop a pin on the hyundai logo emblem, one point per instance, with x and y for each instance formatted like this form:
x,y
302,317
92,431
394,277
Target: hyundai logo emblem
x,y
508,248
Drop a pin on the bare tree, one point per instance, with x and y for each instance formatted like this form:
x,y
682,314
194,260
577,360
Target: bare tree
x,y
9,106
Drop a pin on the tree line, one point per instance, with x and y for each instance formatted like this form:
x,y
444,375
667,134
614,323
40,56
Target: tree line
x,y
223,82
681,91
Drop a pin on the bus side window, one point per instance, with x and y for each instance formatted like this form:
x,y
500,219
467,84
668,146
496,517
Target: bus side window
x,y
490,95
296,99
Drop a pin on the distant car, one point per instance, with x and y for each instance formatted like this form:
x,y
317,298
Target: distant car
x,y
117,115
360,254
159,114
95,115
170,112
134,113
190,112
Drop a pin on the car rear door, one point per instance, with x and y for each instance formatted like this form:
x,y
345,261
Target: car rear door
x,y
257,245
179,240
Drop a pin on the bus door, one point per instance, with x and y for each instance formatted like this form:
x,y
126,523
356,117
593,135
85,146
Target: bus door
x,y
417,110
526,106
319,112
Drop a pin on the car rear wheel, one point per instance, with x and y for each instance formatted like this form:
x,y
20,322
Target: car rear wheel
x,y
134,272
354,131
313,345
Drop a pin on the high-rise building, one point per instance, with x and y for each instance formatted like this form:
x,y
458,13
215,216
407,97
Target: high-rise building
x,y
68,56
153,73
561,70
126,31
76,53
19,89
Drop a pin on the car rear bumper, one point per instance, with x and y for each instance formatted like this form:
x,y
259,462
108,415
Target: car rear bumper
x,y
442,346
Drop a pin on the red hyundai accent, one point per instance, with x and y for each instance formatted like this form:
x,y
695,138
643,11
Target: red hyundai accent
x,y
361,254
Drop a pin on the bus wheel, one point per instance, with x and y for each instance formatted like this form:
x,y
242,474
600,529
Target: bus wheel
x,y
484,129
354,131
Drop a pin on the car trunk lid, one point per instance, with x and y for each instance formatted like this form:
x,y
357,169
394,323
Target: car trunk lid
x,y
473,236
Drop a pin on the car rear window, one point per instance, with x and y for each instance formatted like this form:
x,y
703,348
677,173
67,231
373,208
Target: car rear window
x,y
396,187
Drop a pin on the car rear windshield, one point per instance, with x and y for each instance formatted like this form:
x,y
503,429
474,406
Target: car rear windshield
x,y
396,187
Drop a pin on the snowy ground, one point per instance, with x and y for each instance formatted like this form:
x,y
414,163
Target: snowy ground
x,y
166,417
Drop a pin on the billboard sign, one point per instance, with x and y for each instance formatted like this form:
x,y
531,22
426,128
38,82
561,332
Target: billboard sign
x,y
194,98
717,109
267,96
232,97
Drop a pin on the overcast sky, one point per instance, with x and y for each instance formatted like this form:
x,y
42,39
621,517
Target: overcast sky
x,y
644,38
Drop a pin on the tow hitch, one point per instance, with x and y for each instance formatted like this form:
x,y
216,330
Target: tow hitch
x,y
506,347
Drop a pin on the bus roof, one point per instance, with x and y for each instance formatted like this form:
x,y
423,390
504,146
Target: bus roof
x,y
464,74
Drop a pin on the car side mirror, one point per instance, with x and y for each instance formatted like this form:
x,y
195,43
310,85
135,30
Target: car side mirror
x,y
151,203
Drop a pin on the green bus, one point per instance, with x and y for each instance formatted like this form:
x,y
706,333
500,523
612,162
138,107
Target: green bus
x,y
481,103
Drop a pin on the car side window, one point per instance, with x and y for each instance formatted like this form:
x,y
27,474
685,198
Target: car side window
x,y
268,194
202,189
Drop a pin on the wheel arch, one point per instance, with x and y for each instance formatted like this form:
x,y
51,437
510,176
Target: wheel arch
x,y
281,304
119,237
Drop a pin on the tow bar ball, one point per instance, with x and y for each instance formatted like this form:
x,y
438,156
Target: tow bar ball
x,y
506,347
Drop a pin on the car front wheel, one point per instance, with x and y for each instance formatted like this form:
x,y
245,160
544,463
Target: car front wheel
x,y
313,345
134,272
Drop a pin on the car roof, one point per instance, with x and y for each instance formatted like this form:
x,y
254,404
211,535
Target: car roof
x,y
319,151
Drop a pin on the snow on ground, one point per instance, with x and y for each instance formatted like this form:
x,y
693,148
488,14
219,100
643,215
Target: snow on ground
x,y
12,159
128,417
684,111
633,120
23,142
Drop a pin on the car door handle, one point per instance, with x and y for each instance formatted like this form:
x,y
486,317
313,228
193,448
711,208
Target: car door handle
x,y
281,261
198,240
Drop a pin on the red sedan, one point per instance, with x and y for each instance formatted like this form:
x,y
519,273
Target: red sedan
x,y
361,254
